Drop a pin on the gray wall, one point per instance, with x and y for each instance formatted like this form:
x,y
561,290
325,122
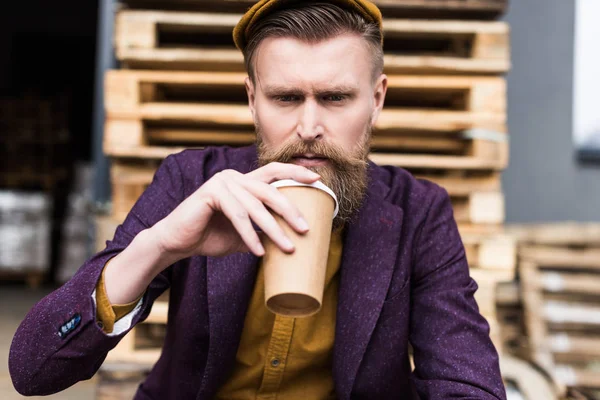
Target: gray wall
x,y
544,181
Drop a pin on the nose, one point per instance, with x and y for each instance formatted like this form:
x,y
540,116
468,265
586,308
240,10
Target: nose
x,y
310,127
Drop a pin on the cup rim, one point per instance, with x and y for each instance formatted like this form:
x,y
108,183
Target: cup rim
x,y
317,185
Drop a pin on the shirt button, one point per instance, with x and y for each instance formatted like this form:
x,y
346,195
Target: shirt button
x,y
100,324
275,362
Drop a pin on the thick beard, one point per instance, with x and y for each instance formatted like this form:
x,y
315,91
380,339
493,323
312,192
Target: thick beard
x,y
346,174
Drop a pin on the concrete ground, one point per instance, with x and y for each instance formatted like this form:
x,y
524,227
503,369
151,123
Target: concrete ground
x,y
15,301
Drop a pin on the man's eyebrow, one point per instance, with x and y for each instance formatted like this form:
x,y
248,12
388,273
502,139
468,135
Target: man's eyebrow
x,y
279,89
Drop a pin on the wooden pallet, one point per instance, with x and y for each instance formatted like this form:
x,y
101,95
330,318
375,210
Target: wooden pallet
x,y
149,113
203,41
427,9
143,344
562,309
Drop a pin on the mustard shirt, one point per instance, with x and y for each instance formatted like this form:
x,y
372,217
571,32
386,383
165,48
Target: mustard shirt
x,y
278,357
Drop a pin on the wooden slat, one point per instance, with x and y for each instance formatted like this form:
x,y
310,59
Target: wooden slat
x,y
202,137
411,46
550,257
491,251
427,9
569,343
561,234
462,184
479,208
580,377
461,101
570,283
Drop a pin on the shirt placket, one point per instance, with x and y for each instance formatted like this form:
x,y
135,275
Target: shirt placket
x,y
276,360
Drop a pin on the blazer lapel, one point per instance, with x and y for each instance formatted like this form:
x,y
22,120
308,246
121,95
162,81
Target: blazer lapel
x,y
369,255
230,281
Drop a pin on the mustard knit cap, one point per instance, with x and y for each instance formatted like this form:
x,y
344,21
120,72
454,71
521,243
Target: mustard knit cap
x,y
264,7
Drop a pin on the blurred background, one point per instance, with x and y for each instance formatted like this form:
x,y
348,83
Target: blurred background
x,y
494,100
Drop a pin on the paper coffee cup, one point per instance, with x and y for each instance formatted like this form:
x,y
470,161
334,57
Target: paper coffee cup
x,y
294,283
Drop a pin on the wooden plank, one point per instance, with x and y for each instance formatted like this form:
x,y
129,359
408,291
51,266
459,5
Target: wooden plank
x,y
508,294
105,230
129,180
534,319
562,234
568,343
479,208
461,183
580,283
170,40
487,280
427,9
459,103
205,137
479,229
573,376
551,257
571,312
491,252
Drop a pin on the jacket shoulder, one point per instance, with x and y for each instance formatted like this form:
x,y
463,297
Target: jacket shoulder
x,y
413,195
199,165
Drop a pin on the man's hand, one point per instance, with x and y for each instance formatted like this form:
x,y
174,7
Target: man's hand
x,y
216,220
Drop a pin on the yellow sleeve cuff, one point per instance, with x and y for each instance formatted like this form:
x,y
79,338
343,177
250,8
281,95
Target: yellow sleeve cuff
x,y
107,313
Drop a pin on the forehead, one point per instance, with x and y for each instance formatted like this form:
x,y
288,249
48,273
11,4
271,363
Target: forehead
x,y
341,61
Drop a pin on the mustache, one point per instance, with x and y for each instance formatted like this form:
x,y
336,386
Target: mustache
x,y
336,155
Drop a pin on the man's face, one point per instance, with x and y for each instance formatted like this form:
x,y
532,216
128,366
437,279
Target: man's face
x,y
315,105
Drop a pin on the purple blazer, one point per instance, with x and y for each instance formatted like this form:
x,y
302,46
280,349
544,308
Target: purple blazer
x,y
404,278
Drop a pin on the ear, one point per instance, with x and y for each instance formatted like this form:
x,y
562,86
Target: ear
x,y
379,97
251,96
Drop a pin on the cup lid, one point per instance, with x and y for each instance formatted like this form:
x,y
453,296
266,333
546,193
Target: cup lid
x,y
317,185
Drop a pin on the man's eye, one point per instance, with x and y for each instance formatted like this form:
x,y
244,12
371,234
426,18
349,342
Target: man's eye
x,y
286,98
335,98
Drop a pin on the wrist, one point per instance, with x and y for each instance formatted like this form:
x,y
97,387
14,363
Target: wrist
x,y
152,238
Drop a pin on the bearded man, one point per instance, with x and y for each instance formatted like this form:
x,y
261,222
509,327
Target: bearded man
x,y
396,269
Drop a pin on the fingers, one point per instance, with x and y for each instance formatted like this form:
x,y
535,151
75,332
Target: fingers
x,y
277,202
256,210
276,171
239,217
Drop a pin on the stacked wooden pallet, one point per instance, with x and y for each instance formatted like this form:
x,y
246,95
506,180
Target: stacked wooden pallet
x,y
182,85
560,276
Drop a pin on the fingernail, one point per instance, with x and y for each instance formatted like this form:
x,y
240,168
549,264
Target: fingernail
x,y
288,244
302,224
260,249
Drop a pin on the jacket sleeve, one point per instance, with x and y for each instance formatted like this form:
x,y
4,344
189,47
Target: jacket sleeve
x,y
454,355
59,342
